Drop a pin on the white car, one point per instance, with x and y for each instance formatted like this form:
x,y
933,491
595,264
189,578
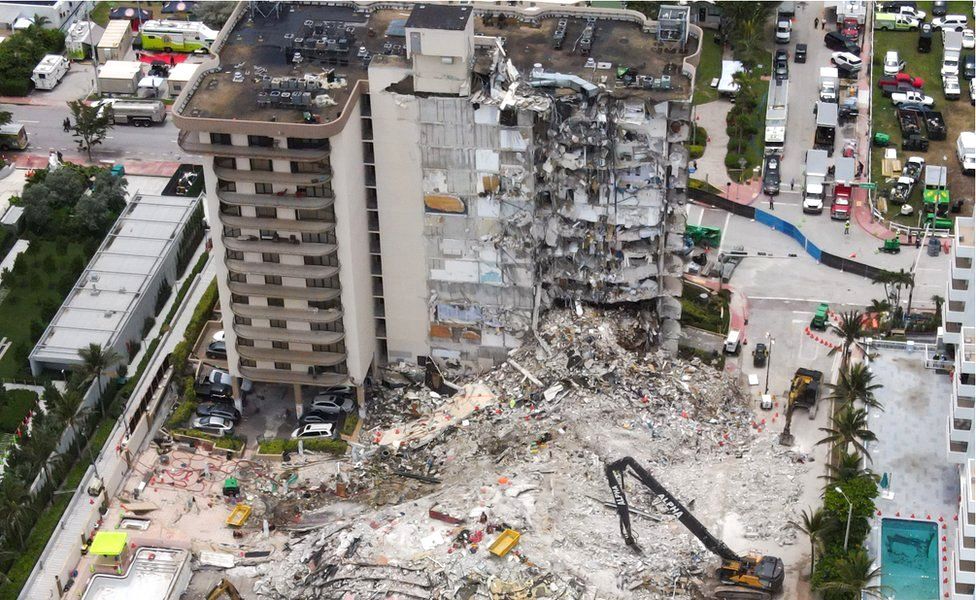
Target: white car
x,y
313,431
219,336
950,87
908,11
783,31
846,60
950,22
911,97
812,205
893,63
218,376
213,424
968,39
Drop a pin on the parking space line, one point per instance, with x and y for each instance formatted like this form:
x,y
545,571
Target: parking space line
x,y
725,231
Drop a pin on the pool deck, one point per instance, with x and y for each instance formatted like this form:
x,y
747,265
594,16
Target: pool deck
x,y
911,445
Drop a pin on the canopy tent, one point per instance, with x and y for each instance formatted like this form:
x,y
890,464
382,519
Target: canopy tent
x,y
109,543
132,14
177,7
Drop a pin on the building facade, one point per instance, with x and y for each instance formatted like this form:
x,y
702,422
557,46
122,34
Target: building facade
x,y
426,180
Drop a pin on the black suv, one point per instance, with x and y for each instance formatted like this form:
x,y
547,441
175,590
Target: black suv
x,y
838,43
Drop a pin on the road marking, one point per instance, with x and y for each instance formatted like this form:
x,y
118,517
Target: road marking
x,y
784,298
725,231
26,121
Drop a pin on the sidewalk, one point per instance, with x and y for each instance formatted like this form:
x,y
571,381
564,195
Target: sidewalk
x,y
711,116
132,167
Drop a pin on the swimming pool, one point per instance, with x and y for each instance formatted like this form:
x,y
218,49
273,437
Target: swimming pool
x,y
155,574
909,559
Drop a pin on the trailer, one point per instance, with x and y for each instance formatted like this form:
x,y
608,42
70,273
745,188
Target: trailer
x,y
48,73
176,36
116,41
909,122
825,134
119,77
813,185
935,125
726,81
852,9
776,114
140,113
935,196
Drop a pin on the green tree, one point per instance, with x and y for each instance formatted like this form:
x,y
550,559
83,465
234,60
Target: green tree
x,y
855,383
97,361
849,427
813,523
15,502
938,301
213,14
855,574
91,124
6,117
850,331
66,408
850,466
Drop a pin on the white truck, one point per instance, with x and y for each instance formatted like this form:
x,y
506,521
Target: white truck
x,y
141,113
829,84
776,113
966,151
48,73
813,184
951,52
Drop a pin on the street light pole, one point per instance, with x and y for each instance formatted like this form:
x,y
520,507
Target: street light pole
x,y
769,358
850,509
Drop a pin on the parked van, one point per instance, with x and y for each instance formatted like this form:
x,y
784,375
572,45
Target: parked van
x,y
141,113
966,151
13,136
893,22
49,71
732,342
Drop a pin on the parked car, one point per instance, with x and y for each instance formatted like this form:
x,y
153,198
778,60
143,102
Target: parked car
x,y
925,38
314,431
217,350
781,65
771,175
950,88
846,60
218,336
914,168
968,39
912,97
332,404
908,11
840,208
939,8
893,64
213,391
219,409
800,54
783,31
950,22
890,85
318,416
835,41
219,376
972,92
969,67
213,424
346,391
850,29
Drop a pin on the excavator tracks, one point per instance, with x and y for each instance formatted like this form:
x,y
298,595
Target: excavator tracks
x,y
734,592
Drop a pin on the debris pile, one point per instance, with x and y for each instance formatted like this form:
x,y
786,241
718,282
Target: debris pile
x,y
424,512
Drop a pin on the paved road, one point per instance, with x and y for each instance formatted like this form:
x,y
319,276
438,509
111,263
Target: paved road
x,y
123,142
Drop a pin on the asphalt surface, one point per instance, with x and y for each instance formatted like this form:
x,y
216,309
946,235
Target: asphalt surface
x,y
45,131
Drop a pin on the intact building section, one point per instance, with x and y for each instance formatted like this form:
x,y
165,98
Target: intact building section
x,y
395,182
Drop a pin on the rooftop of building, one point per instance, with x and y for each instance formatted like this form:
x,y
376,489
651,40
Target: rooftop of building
x,y
448,17
106,294
258,50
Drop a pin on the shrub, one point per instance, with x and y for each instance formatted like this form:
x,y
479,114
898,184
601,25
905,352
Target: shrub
x,y
732,159
695,151
278,445
228,442
182,414
700,137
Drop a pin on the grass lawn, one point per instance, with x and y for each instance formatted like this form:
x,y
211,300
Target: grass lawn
x,y
15,405
100,13
709,67
710,314
50,265
958,114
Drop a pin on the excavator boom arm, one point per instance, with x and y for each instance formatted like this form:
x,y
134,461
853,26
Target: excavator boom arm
x,y
668,503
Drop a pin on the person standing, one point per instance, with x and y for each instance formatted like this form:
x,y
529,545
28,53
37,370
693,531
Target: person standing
x,y
847,227
66,124
816,22
771,207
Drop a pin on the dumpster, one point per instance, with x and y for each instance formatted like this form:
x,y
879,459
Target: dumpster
x,y
504,543
239,515
118,171
707,236
881,139
819,321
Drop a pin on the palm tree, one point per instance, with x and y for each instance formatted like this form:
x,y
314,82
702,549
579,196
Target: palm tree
x,y
938,301
850,330
856,384
813,524
853,576
849,427
850,466
15,502
65,408
97,361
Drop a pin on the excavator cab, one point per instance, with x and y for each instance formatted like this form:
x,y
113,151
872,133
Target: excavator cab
x,y
757,572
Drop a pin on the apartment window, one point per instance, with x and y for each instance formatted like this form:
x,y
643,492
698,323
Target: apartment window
x,y
225,162
272,280
319,166
279,323
247,362
266,212
261,141
308,144
317,283
267,234
314,261
232,232
270,257
226,186
312,191
282,366
279,345
334,326
235,255
321,214
263,188
239,299
242,341
318,238
242,320
323,304
220,138
261,164
238,277
227,209
277,302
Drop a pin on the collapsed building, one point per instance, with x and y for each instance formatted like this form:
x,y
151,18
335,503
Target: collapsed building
x,y
396,182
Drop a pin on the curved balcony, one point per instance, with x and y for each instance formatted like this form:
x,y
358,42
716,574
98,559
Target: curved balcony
x,y
315,226
283,246
305,315
276,201
281,334
194,146
301,357
283,291
263,268
299,377
272,176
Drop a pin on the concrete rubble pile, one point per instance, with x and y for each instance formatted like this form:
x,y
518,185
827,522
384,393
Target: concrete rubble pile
x,y
524,449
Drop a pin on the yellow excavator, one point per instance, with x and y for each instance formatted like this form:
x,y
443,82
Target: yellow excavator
x,y
749,577
224,588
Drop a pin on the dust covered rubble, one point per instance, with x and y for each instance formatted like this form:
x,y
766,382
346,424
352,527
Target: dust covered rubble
x,y
533,461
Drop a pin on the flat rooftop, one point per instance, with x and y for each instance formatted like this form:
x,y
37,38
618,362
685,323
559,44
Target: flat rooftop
x,y
108,292
262,47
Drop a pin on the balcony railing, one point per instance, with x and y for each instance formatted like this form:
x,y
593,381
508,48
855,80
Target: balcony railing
x,y
282,334
276,200
250,243
188,141
271,176
280,225
302,357
283,291
293,377
304,315
297,271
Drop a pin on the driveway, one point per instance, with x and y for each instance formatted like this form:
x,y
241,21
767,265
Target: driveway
x,y
711,166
